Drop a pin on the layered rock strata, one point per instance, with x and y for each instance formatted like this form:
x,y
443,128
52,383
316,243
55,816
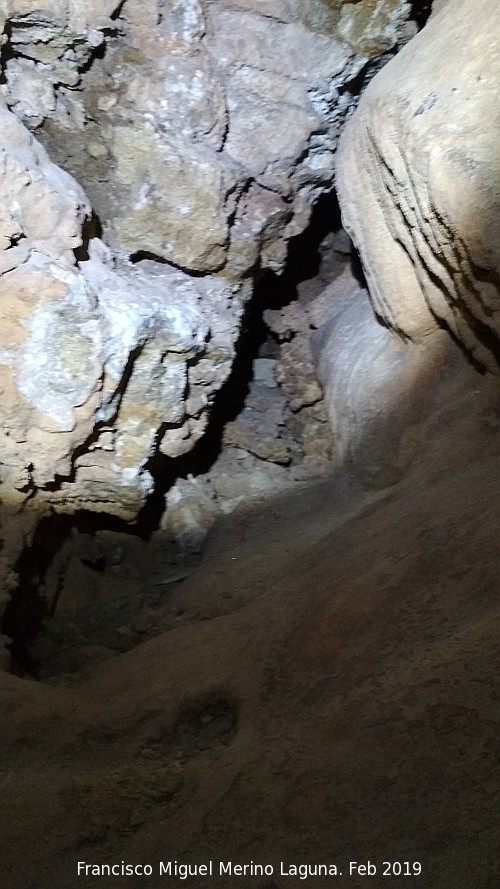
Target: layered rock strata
x,y
418,179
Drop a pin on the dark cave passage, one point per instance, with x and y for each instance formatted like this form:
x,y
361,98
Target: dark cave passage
x,y
26,611
29,613
271,292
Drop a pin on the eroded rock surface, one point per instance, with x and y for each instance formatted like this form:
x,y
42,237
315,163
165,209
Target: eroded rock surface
x,y
203,132
418,180
100,365
196,138
383,394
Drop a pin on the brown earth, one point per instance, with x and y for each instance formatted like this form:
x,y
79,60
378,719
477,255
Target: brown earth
x,y
327,693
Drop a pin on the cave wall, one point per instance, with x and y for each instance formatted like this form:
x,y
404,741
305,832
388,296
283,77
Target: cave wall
x,y
419,183
195,139
157,159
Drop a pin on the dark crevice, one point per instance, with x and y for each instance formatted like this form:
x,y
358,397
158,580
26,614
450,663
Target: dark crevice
x,y
15,240
357,84
91,228
27,611
304,256
357,269
142,255
118,11
6,52
228,403
271,292
97,54
147,255
420,12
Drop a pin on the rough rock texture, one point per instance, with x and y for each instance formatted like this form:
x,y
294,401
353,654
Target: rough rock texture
x,y
47,45
203,132
99,365
419,182
259,428
295,370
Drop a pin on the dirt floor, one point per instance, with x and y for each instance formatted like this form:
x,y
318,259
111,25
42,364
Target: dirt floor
x,y
326,693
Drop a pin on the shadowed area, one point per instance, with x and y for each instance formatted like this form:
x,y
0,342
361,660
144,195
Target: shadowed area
x,y
325,689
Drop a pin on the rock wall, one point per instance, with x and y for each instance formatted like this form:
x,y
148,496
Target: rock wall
x,y
100,364
419,182
385,396
156,158
201,134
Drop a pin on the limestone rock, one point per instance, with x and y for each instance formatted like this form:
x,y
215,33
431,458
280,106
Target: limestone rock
x,y
373,27
211,128
216,193
318,308
239,477
418,174
202,132
42,208
296,374
310,427
381,392
189,515
100,365
49,45
259,428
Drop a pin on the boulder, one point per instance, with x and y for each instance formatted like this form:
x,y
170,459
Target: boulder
x,y
418,178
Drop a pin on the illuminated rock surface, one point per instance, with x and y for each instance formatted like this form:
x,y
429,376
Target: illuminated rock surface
x,y
419,182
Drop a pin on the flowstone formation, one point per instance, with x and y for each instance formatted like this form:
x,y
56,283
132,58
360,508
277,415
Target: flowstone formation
x,y
418,180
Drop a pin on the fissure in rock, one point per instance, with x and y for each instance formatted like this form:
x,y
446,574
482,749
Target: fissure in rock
x,y
92,585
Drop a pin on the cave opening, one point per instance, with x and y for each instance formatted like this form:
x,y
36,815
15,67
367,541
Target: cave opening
x,y
33,614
